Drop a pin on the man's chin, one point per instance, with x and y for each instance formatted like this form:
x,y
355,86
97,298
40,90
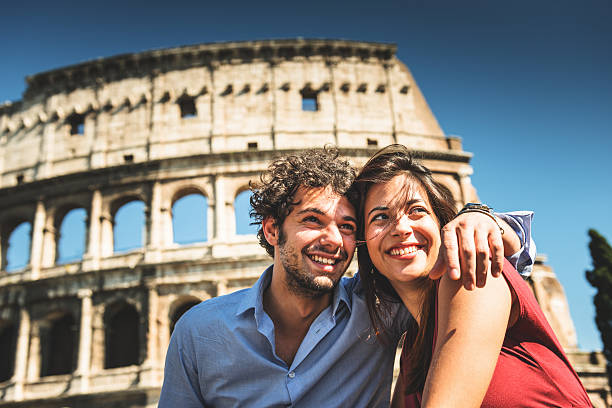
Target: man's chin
x,y
324,282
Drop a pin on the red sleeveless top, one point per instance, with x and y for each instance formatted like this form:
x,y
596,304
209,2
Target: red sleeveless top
x,y
532,370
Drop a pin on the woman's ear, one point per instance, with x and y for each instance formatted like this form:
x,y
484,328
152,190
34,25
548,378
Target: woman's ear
x,y
270,230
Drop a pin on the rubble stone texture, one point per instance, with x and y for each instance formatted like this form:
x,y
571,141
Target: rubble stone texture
x,y
157,126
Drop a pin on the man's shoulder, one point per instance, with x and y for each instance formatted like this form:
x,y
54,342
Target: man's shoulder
x,y
212,313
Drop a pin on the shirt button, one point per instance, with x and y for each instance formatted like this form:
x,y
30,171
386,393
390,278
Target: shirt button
x,y
291,374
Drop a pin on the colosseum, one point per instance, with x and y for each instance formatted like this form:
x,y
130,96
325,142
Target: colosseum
x,y
154,128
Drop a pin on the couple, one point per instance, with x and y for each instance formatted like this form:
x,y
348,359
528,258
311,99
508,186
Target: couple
x,y
302,335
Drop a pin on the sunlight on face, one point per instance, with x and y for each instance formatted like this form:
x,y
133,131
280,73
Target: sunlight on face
x,y
402,232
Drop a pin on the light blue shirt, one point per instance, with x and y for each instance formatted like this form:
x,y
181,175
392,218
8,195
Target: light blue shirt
x,y
222,354
222,351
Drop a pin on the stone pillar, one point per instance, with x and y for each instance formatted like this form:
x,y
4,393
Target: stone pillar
x,y
21,354
33,369
3,248
220,232
222,287
156,221
152,359
49,252
106,234
84,362
38,228
95,225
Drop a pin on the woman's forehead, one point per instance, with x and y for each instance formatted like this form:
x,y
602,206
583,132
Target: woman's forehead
x,y
396,192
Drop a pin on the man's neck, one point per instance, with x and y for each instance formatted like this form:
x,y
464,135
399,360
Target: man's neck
x,y
292,315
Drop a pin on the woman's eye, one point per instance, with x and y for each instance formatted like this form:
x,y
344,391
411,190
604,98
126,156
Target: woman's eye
x,y
380,217
419,210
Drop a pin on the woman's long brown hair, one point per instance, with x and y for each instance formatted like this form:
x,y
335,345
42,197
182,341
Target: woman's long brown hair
x,y
387,163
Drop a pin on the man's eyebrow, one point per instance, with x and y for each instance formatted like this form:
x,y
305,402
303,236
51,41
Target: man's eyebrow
x,y
321,212
311,210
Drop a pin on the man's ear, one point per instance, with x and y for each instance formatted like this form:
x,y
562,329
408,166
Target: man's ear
x,y
270,231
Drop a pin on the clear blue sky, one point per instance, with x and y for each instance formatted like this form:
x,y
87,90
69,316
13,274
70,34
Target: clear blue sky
x,y
526,84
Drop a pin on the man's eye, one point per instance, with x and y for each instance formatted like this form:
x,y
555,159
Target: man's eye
x,y
348,227
311,219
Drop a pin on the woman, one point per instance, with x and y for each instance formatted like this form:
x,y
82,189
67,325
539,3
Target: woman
x,y
489,347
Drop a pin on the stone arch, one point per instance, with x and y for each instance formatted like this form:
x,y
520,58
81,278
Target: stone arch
x,y
59,344
122,335
71,235
179,307
16,242
128,215
242,208
8,345
190,208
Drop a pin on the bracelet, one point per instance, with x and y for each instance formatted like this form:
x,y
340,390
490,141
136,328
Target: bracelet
x,y
483,209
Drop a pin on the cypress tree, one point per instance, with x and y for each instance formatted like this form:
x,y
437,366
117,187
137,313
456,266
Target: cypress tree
x,y
600,277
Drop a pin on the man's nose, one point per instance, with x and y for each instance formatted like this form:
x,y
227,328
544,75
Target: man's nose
x,y
332,237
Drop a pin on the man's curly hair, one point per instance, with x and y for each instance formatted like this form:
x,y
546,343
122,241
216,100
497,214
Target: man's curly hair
x,y
273,194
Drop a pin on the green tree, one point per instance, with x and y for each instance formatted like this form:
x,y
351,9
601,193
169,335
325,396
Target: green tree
x,y
600,277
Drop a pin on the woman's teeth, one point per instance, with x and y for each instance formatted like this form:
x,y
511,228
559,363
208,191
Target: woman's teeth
x,y
403,251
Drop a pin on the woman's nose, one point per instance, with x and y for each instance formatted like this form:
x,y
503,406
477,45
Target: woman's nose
x,y
402,225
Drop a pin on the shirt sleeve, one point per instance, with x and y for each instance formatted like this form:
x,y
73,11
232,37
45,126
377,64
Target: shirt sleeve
x,y
181,387
524,258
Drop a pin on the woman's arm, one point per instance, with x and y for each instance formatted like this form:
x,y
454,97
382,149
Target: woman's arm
x,y
471,330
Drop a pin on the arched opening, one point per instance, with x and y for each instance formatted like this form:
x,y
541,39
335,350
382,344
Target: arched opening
x,y
18,253
60,346
129,225
180,310
189,223
8,342
72,236
242,207
122,336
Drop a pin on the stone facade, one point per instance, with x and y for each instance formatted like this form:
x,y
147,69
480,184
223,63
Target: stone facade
x,y
155,127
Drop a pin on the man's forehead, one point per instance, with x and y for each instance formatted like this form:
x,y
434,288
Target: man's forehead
x,y
324,198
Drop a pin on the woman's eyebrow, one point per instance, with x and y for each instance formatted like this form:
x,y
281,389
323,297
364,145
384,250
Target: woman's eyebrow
x,y
379,208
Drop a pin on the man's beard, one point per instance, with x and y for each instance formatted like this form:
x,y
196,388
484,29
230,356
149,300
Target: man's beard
x,y
298,280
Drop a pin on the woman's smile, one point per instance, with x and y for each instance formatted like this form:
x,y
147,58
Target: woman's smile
x,y
403,241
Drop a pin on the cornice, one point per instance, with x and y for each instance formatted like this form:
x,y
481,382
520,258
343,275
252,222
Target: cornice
x,y
163,60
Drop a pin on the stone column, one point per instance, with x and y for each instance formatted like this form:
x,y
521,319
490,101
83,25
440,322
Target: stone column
x,y
93,240
84,362
219,222
37,239
156,220
152,359
106,234
21,354
222,287
33,369
49,252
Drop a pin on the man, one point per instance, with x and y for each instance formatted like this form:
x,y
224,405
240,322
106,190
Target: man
x,y
301,335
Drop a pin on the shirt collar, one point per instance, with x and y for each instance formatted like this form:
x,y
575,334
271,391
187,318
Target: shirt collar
x,y
253,298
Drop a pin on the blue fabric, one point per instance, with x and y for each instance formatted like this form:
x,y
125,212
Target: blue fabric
x,y
221,353
520,221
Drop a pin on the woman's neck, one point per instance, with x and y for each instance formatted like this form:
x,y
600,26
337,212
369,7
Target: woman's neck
x,y
412,295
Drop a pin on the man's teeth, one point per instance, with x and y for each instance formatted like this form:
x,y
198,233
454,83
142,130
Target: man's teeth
x,y
403,251
325,261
